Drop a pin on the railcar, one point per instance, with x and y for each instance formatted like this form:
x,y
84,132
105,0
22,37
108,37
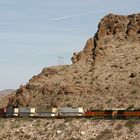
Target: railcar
x,y
9,112
46,112
24,112
103,114
20,112
71,111
128,114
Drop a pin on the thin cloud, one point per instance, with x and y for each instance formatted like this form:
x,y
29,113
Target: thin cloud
x,y
70,16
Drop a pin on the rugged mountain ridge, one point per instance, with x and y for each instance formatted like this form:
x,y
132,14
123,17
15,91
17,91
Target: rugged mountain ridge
x,y
105,74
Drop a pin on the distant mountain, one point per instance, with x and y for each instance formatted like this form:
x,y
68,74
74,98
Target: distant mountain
x,y
6,92
4,96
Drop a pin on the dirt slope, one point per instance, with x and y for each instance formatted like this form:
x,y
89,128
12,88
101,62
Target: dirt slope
x,y
68,129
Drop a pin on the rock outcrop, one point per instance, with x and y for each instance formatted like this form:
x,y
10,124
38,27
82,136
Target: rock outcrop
x,y
112,27
86,53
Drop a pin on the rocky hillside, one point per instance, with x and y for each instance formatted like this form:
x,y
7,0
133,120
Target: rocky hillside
x,y
68,129
105,74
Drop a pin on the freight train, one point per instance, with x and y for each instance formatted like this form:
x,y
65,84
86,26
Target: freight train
x,y
62,112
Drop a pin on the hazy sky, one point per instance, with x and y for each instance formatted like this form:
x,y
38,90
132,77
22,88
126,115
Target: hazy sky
x,y
34,33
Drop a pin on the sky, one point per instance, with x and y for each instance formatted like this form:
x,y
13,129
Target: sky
x,y
35,33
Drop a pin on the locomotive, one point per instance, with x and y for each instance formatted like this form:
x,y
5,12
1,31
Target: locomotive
x,y
62,112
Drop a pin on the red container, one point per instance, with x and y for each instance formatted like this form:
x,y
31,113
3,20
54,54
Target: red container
x,y
95,113
99,113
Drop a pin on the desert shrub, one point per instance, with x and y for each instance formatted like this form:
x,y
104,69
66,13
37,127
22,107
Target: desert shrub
x,y
77,82
34,138
84,119
109,101
105,135
131,124
26,136
76,71
118,127
69,105
118,134
40,132
1,123
15,124
45,129
86,78
134,91
61,126
67,120
26,119
37,123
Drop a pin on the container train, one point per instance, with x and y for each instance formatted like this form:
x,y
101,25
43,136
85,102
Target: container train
x,y
62,112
